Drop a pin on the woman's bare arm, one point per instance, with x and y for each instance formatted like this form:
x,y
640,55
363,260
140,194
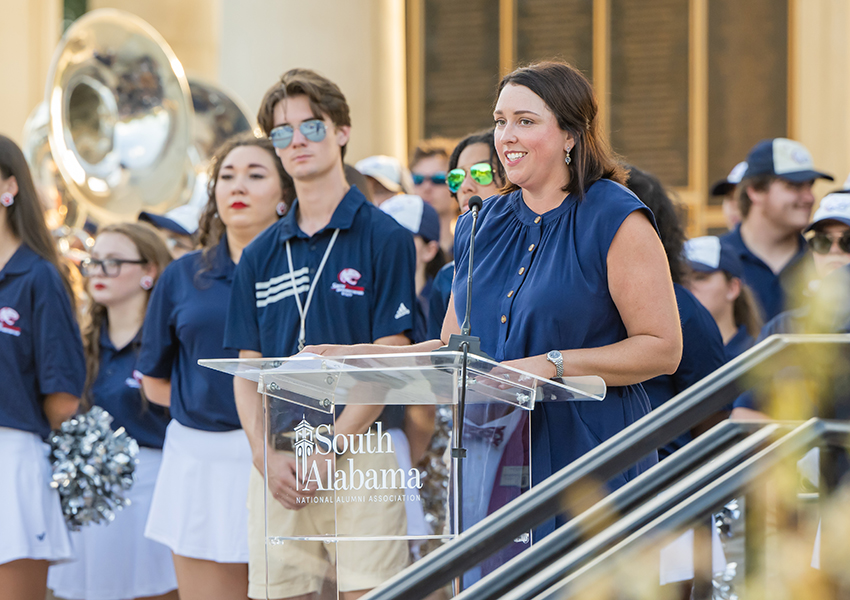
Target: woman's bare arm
x,y
640,285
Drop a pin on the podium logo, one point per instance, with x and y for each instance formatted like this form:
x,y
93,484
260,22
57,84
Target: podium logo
x,y
312,443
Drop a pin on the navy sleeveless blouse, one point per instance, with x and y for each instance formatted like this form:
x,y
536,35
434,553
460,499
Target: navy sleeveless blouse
x,y
540,283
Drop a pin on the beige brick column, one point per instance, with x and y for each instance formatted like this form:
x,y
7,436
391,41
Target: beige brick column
x,y
819,84
191,28
29,32
359,44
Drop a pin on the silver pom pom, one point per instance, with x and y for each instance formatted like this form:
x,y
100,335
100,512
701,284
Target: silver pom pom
x,y
93,467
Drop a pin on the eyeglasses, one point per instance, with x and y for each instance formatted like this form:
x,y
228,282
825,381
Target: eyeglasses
x,y
436,178
175,244
110,267
822,243
313,129
481,173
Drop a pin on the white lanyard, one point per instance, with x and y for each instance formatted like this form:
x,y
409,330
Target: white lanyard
x,y
302,310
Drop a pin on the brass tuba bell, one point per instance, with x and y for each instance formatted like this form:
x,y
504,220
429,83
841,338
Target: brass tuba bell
x,y
121,117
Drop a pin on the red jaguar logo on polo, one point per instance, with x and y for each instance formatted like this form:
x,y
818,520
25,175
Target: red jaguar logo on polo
x,y
347,284
8,317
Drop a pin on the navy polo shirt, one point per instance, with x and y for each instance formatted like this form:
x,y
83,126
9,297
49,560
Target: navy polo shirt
x,y
420,320
365,291
774,291
790,321
541,283
441,291
40,346
739,343
184,323
702,353
118,390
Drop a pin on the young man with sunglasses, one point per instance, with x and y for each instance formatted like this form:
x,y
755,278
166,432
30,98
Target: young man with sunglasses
x,y
428,165
775,198
827,294
335,269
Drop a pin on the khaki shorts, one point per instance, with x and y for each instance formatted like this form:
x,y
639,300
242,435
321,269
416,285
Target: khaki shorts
x,y
300,567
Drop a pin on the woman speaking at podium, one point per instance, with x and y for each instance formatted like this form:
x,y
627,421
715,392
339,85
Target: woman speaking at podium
x,y
570,277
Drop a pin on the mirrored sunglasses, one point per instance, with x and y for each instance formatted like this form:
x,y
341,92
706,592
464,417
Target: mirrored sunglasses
x,y
821,243
313,129
481,173
436,178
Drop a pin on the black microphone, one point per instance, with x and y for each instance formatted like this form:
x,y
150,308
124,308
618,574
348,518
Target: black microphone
x,y
475,204
473,343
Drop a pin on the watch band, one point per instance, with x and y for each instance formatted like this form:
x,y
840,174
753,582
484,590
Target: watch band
x,y
557,359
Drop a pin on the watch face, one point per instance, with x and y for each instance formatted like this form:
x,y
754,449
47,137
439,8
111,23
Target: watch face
x,y
553,355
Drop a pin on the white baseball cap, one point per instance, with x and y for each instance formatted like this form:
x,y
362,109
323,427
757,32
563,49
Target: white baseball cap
x,y
388,171
414,214
833,207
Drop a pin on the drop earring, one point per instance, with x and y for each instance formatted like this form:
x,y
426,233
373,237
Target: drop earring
x,y
7,199
567,158
146,282
280,209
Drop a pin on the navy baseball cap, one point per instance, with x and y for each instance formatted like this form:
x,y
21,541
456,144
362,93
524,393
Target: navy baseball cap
x,y
783,158
414,214
182,220
724,186
708,254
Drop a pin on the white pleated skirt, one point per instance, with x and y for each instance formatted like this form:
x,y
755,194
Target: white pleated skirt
x,y
115,560
199,507
33,526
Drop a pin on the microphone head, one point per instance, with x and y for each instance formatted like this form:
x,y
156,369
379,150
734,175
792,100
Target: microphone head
x,y
475,203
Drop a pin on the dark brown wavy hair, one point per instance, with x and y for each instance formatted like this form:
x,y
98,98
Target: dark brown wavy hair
x,y
570,97
153,251
668,218
211,227
26,215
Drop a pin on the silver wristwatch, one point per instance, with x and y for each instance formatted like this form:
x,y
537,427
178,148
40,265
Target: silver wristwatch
x,y
556,359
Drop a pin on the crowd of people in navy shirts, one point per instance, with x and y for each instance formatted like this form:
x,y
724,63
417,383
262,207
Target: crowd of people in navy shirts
x,y
582,267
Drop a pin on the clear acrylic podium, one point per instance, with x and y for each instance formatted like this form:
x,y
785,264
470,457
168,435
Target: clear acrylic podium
x,y
364,511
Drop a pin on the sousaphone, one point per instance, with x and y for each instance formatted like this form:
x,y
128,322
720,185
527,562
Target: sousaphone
x,y
120,117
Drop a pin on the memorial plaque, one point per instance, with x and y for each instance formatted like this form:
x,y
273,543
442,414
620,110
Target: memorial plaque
x,y
461,66
747,79
562,29
649,86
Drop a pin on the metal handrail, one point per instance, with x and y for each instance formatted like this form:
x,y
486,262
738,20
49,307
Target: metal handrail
x,y
643,529
723,447
609,459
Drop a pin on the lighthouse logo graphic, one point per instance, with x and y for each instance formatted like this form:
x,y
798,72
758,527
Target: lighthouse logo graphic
x,y
304,445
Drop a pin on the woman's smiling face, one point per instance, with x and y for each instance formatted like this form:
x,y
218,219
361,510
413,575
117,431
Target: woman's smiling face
x,y
529,141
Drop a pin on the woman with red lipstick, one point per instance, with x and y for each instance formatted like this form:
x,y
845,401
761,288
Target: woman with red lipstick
x,y
570,275
42,374
123,267
199,505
